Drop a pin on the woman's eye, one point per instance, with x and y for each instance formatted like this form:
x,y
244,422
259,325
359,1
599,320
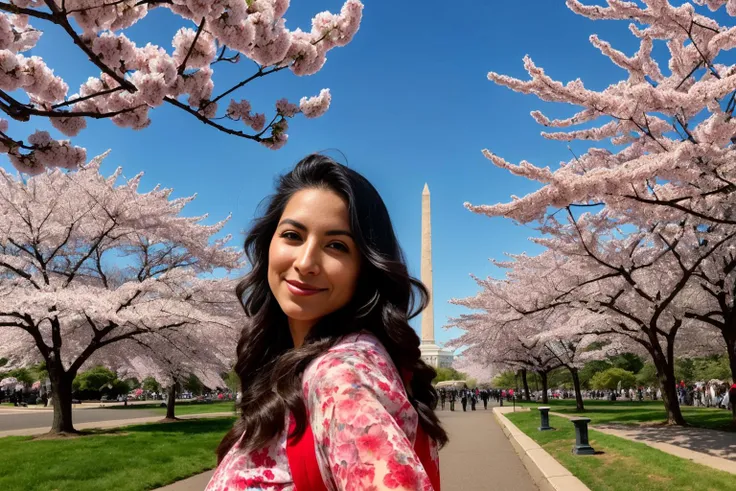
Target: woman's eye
x,y
339,246
290,236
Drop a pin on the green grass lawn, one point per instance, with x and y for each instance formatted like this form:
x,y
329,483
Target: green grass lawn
x,y
623,465
183,408
640,412
133,458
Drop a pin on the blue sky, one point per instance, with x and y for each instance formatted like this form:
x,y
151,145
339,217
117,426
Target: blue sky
x,y
411,104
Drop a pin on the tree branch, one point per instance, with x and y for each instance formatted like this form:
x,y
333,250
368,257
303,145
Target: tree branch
x,y
13,9
60,19
183,65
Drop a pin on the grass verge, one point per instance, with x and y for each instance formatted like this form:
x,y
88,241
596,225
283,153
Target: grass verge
x,y
641,412
132,458
623,465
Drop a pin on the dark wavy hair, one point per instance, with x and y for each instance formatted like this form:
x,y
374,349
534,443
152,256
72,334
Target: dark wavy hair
x,y
270,368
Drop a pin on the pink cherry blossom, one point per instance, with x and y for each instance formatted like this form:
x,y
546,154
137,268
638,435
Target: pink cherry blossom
x,y
128,80
316,106
115,273
286,108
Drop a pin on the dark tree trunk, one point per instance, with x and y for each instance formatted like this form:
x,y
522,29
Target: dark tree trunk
x,y
171,402
527,397
578,394
61,398
543,376
668,384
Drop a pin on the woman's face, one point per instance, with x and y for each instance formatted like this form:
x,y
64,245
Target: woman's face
x,y
313,262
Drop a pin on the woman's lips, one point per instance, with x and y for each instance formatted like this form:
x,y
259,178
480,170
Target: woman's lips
x,y
302,289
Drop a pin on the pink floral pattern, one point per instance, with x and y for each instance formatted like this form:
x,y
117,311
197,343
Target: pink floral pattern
x,y
364,428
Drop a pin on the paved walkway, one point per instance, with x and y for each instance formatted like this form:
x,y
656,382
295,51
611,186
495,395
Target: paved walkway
x,y
713,448
38,418
108,424
479,457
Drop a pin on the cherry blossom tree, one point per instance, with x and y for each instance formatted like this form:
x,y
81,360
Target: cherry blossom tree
x,y
664,168
127,80
480,372
597,278
573,352
205,349
90,268
501,337
717,308
668,134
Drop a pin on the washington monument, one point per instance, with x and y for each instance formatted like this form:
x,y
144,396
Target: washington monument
x,y
431,353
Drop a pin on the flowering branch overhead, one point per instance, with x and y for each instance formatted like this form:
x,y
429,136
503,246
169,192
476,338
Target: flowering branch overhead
x,y
670,134
134,79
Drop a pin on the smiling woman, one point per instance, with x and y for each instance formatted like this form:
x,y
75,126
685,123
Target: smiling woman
x,y
335,395
313,262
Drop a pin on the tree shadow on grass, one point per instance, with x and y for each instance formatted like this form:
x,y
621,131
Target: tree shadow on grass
x,y
189,426
712,442
204,425
703,418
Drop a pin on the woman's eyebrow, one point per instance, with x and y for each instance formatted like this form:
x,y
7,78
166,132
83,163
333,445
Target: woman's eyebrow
x,y
301,226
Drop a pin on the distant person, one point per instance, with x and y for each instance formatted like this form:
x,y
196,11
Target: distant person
x,y
328,349
484,397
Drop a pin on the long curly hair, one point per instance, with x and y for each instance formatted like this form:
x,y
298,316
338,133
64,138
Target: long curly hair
x,y
270,367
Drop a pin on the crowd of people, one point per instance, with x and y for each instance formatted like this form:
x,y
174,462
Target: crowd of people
x,y
469,398
707,394
714,394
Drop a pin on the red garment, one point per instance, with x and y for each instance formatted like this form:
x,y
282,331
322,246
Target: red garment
x,y
363,425
305,468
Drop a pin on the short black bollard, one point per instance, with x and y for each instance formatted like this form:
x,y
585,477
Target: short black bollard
x,y
582,447
544,412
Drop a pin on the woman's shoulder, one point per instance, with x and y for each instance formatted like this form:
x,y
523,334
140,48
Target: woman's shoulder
x,y
357,377
357,358
355,350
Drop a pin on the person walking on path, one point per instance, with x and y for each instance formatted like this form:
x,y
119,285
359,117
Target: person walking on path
x,y
453,396
442,398
484,396
464,400
329,352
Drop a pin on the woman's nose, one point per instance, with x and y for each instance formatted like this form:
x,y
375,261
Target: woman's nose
x,y
307,263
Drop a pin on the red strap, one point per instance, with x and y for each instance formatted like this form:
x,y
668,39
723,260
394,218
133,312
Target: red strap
x,y
423,450
305,467
422,445
303,460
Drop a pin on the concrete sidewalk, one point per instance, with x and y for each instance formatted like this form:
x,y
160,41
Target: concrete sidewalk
x,y
712,448
194,483
91,405
716,449
110,424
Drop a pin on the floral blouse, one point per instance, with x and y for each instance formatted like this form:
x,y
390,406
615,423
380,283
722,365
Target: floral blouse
x,y
364,428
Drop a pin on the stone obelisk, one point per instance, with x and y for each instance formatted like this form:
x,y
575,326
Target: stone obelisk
x,y
426,271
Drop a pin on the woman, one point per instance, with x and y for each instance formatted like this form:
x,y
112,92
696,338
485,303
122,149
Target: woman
x,y
334,393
